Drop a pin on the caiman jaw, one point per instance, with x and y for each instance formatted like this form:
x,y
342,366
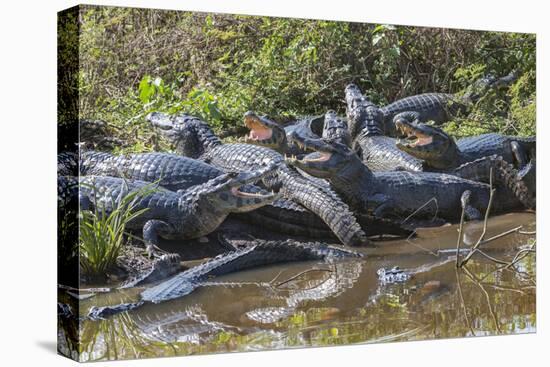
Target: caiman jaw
x,y
423,140
414,137
236,192
258,131
242,202
324,156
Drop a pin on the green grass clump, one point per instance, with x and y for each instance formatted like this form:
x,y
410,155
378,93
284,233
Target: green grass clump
x,y
101,235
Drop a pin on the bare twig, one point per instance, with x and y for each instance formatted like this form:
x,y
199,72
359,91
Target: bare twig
x,y
485,221
272,281
459,239
513,230
421,207
494,259
521,254
510,289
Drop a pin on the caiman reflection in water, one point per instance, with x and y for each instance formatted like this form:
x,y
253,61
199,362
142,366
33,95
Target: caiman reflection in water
x,y
344,302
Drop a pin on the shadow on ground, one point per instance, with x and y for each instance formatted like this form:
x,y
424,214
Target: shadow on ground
x,y
50,346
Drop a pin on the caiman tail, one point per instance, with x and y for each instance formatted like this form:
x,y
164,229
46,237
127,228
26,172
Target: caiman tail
x,y
332,210
504,174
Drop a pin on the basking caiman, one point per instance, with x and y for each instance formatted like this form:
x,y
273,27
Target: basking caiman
x,y
441,152
193,137
261,253
366,127
441,107
175,173
399,194
336,129
270,134
473,157
185,215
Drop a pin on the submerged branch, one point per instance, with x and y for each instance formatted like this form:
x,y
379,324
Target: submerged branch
x,y
484,232
300,274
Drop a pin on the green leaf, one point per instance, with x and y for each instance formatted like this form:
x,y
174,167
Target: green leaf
x,y
213,110
146,89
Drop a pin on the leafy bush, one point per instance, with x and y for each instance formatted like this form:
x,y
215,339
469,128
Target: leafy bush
x,y
523,108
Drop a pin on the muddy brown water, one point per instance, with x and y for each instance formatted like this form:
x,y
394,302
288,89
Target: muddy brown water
x,y
318,304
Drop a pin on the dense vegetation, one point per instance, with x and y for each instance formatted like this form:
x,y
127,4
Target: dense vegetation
x,y
218,66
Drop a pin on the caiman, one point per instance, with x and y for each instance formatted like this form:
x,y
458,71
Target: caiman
x,y
188,214
473,157
441,152
170,171
270,134
261,253
441,107
175,173
336,129
399,194
366,125
193,137
97,134
67,164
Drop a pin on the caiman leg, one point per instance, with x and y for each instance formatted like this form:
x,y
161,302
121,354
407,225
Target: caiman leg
x,y
504,174
470,212
151,231
407,116
519,154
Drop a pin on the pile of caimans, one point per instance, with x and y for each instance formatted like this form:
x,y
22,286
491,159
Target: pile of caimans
x,y
311,189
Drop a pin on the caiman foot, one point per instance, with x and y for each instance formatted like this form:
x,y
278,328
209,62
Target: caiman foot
x,y
470,212
154,252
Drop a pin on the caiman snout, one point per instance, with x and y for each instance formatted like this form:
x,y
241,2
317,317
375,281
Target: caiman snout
x,y
160,120
263,131
411,133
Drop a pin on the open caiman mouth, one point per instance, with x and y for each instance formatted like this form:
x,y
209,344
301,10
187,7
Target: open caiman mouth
x,y
323,156
414,137
258,131
236,192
